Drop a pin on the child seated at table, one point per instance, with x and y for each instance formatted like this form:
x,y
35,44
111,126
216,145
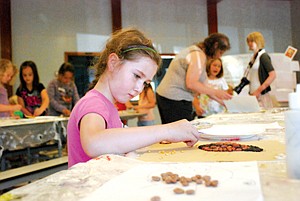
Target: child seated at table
x,y
128,62
62,91
146,104
32,94
7,71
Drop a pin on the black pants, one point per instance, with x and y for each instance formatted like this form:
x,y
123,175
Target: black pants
x,y
171,110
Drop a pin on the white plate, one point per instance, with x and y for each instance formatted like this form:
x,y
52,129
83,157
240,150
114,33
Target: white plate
x,y
231,132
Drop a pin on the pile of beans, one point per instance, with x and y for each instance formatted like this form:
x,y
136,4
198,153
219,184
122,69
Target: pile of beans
x,y
172,178
229,147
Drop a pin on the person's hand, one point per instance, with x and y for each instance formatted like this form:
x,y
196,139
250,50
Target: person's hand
x,y
136,108
66,112
16,107
38,112
15,117
256,94
222,95
199,111
230,90
182,131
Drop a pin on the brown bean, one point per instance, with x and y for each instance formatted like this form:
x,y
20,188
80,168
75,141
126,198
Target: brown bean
x,y
214,183
206,178
178,191
184,183
198,181
155,178
190,192
155,198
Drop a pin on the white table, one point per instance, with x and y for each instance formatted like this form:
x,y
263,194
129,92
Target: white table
x,y
83,179
19,136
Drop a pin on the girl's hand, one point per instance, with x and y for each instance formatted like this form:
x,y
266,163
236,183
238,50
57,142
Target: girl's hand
x,y
16,107
199,111
182,131
136,108
38,112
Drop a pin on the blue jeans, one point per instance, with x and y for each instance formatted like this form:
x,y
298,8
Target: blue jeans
x,y
145,123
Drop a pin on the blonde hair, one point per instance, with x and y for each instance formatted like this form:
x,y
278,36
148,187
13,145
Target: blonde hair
x,y
4,65
258,38
128,44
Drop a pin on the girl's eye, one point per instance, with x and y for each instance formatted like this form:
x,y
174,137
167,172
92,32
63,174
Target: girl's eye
x,y
137,76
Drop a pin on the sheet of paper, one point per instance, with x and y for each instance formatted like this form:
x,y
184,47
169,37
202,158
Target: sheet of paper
x,y
236,181
242,104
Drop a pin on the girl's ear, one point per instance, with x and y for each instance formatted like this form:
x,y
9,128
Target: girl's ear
x,y
113,61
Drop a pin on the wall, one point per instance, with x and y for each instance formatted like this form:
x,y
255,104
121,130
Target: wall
x,y
238,18
172,24
43,30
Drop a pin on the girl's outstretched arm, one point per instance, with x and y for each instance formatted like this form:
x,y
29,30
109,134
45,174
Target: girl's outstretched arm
x,y
96,140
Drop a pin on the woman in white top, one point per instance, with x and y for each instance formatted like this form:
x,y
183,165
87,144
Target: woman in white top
x,y
262,72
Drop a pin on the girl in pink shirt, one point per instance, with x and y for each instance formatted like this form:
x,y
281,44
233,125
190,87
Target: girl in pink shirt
x,y
128,62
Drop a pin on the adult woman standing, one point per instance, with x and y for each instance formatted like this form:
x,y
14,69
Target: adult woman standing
x,y
262,73
186,76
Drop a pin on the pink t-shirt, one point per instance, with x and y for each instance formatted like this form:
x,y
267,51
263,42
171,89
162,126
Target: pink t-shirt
x,y
92,102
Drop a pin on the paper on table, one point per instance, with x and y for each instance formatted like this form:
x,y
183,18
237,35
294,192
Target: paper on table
x,y
242,104
237,181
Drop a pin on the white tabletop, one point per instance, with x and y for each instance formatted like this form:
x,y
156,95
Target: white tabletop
x,y
86,179
5,122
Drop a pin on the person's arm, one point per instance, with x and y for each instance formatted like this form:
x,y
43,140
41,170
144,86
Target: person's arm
x,y
44,105
267,83
96,140
266,64
23,109
196,105
53,98
196,67
10,108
